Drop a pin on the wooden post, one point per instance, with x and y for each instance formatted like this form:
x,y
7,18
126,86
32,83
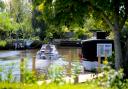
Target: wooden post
x,y
99,63
69,65
22,69
34,64
105,56
105,59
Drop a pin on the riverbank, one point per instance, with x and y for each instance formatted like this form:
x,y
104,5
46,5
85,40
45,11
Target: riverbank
x,y
20,44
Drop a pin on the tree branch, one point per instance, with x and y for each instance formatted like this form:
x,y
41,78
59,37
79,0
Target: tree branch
x,y
116,14
107,20
123,21
104,16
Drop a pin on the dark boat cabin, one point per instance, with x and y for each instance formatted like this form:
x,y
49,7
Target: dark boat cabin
x,y
100,47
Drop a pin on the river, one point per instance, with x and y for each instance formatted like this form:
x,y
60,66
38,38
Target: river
x,y
13,58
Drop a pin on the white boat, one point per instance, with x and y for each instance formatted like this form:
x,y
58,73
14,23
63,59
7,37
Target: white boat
x,y
47,52
46,56
90,65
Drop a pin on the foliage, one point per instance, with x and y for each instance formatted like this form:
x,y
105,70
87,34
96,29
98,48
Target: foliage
x,y
91,23
43,13
38,22
76,69
80,33
6,73
112,78
59,14
58,72
16,20
2,43
2,6
6,23
67,12
27,76
111,60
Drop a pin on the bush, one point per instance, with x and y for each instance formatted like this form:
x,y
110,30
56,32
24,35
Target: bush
x,y
113,79
3,43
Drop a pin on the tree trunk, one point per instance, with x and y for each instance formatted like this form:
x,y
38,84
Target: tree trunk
x,y
118,51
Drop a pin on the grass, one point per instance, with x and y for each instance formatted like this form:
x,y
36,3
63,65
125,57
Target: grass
x,y
6,85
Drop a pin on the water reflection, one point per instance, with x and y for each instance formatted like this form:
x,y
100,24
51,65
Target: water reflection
x,y
70,53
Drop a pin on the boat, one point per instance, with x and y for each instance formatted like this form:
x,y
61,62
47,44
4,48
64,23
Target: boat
x,y
47,52
96,49
46,56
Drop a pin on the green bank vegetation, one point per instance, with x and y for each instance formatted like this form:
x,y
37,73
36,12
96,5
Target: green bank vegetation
x,y
110,79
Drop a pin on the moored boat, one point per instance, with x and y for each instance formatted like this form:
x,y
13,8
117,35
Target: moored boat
x,y
47,52
46,56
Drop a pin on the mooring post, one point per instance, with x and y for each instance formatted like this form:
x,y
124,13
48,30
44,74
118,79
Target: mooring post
x,y
106,58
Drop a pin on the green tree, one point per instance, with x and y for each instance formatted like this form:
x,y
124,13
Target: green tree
x,y
2,6
21,13
68,12
7,25
38,22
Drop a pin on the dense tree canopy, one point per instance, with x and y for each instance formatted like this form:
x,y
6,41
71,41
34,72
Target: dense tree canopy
x,y
17,19
38,22
6,23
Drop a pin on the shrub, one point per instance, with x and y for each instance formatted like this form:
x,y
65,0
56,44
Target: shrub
x,y
113,78
3,43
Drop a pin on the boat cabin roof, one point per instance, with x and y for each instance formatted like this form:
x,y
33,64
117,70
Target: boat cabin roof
x,y
47,47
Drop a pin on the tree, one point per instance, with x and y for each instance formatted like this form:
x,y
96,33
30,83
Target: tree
x,y
2,6
114,12
68,12
38,22
21,13
6,23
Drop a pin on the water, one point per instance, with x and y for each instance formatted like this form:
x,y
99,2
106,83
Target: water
x,y
10,60
70,53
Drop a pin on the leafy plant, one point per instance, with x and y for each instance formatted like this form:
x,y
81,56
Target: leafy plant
x,y
27,76
112,78
3,43
56,73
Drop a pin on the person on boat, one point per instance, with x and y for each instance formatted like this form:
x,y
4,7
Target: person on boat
x,y
48,48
